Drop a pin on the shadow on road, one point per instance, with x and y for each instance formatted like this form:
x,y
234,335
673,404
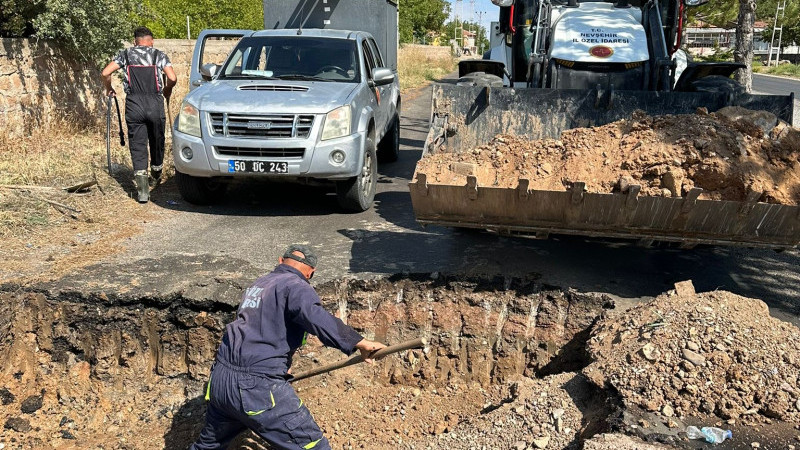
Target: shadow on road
x,y
616,267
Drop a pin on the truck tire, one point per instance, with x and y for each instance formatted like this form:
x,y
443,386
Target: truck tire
x,y
389,147
357,193
199,191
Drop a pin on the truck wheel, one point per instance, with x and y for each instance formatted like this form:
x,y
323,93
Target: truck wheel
x,y
199,191
357,193
389,147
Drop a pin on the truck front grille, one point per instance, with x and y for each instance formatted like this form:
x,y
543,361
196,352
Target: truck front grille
x,y
261,152
261,126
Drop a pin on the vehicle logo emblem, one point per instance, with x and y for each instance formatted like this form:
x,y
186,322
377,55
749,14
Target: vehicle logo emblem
x,y
259,125
601,51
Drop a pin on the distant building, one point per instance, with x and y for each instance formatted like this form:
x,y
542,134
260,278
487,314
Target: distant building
x,y
703,39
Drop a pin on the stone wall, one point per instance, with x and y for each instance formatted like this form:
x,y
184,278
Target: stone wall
x,y
41,85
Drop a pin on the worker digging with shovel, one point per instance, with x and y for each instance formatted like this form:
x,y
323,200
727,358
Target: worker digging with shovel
x,y
249,383
143,67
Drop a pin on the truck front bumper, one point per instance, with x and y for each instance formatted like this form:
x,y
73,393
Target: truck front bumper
x,y
317,162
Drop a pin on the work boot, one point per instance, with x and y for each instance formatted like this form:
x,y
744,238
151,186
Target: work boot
x,y
155,175
142,186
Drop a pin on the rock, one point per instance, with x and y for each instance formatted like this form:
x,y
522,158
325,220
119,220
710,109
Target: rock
x,y
463,168
694,357
685,288
6,396
66,435
693,346
673,180
541,442
625,183
672,424
755,445
650,352
520,445
667,411
764,120
558,413
31,404
547,167
18,424
797,405
440,428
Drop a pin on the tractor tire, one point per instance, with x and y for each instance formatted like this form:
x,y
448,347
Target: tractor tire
x,y
198,190
389,147
719,84
480,79
357,194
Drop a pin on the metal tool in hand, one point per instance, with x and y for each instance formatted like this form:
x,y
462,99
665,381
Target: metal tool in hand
x,y
108,131
357,358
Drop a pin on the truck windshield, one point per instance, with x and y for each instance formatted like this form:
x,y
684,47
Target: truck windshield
x,y
294,58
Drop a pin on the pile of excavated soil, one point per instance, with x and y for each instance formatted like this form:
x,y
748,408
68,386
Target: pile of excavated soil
x,y
552,412
684,354
728,154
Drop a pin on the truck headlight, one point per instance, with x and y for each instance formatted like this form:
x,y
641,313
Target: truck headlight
x,y
337,123
189,120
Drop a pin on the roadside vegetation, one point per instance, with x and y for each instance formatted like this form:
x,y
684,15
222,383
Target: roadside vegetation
x,y
417,66
786,70
60,229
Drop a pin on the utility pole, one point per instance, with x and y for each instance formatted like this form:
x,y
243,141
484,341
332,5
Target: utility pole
x,y
779,14
188,33
480,24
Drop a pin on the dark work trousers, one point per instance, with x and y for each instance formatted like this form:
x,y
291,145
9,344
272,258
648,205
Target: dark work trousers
x,y
144,115
268,405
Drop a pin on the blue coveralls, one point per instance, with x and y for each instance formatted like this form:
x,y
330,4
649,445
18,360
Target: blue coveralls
x,y
248,386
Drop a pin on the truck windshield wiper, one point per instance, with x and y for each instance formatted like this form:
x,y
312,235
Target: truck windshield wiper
x,y
302,77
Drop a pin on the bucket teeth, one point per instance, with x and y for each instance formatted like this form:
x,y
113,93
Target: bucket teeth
x,y
142,188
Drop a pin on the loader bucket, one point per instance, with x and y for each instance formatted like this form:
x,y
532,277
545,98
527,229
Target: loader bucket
x,y
474,115
465,117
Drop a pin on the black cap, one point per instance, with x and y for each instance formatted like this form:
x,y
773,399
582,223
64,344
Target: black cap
x,y
308,258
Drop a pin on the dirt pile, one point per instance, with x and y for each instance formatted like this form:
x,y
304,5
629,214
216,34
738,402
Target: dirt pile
x,y
552,412
728,154
111,372
685,354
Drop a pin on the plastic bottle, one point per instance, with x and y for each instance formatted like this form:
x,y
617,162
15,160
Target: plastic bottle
x,y
711,435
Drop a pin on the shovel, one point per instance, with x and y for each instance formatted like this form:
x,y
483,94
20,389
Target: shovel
x,y
357,358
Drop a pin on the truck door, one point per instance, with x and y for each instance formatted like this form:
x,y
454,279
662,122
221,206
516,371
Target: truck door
x,y
387,94
212,52
377,101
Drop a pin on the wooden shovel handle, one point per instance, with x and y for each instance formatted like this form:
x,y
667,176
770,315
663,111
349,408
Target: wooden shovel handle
x,y
357,358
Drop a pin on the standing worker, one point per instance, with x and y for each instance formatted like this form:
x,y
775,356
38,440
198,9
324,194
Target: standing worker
x,y
248,386
143,66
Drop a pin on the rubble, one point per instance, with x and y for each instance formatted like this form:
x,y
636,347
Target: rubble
x,y
720,354
728,154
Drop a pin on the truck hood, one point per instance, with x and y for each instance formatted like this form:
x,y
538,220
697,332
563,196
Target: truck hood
x,y
270,96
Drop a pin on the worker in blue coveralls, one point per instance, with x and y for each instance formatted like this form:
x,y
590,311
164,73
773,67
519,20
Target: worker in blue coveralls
x,y
248,386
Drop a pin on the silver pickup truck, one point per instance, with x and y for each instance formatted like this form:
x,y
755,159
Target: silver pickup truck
x,y
301,105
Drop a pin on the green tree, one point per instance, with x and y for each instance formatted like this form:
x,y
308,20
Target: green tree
x,y
167,18
419,17
91,29
481,37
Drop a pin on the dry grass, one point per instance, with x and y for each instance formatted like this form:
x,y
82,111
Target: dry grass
x,y
417,67
786,70
39,237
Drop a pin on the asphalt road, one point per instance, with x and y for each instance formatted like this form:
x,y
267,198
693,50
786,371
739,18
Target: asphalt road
x,y
766,84
251,229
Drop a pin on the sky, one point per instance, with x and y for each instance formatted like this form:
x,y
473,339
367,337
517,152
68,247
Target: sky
x,y
464,9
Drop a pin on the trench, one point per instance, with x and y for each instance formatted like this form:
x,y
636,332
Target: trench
x,y
130,372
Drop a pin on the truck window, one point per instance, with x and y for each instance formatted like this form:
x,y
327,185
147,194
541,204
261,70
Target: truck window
x,y
376,53
294,57
368,59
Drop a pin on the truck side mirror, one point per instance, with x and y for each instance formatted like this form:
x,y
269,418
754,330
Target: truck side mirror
x,y
208,71
382,76
694,2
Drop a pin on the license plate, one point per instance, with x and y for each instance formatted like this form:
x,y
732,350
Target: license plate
x,y
257,166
